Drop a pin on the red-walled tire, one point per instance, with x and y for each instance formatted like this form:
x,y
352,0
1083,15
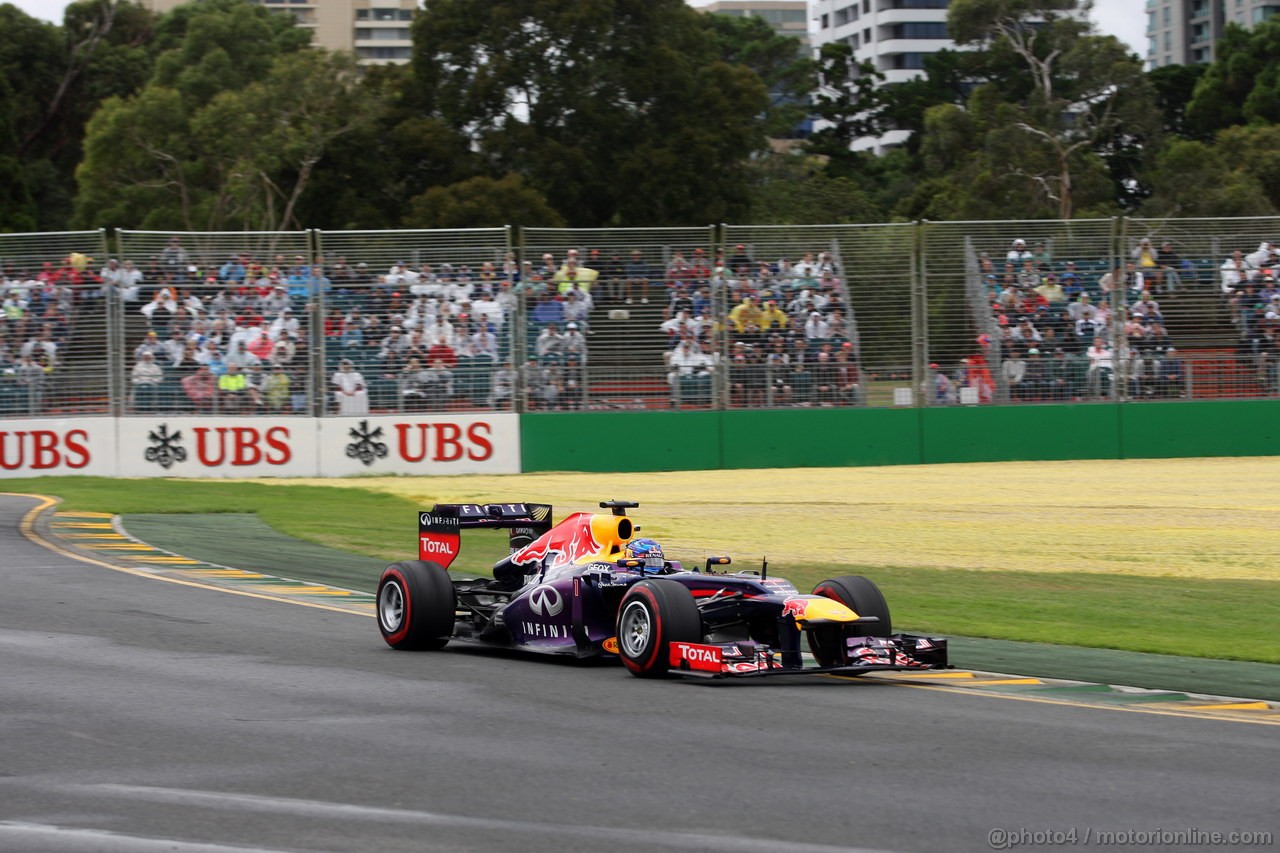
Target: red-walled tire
x,y
862,597
653,615
415,606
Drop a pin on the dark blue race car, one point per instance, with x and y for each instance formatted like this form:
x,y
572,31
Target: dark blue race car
x,y
587,587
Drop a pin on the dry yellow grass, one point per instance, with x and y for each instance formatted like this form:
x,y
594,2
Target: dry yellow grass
x,y
1199,518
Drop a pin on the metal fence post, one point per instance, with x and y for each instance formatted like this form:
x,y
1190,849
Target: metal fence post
x,y
318,382
1121,358
520,333
919,273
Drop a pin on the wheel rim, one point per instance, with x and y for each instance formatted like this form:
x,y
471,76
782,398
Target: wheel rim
x,y
391,606
634,629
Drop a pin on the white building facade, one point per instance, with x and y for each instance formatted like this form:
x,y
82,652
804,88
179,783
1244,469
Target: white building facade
x,y
893,35
1184,32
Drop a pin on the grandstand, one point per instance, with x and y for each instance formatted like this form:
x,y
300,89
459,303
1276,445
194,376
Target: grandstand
x,y
663,318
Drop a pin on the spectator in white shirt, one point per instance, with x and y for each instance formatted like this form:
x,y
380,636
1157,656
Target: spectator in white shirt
x,y
817,327
441,332
349,390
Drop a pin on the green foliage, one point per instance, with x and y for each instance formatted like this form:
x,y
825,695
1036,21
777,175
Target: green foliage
x,y
779,61
228,132
851,101
1243,85
59,76
619,112
1235,177
796,190
482,202
17,210
1174,87
1068,132
975,21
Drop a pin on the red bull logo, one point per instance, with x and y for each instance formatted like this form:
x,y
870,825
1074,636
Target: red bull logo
x,y
565,544
795,607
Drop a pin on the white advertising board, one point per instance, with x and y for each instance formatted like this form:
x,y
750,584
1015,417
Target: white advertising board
x,y
40,446
159,446
425,444
216,447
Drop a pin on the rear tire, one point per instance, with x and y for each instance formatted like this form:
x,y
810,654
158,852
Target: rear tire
x,y
653,615
415,606
863,597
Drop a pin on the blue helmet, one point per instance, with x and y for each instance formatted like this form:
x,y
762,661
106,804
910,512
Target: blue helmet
x,y
649,551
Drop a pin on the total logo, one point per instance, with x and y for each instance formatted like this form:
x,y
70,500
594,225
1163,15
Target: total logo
x,y
697,653
545,600
431,546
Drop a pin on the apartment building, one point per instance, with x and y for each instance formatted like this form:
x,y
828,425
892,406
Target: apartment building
x,y
376,31
1184,32
894,35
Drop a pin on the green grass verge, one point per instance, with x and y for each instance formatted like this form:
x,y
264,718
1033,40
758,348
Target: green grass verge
x,y
1225,619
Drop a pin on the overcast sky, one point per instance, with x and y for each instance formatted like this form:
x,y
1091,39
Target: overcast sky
x,y
1124,18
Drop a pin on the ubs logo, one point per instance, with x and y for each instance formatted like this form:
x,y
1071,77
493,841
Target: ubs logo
x,y
546,601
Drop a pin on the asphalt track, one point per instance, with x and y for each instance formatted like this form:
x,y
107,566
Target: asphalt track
x,y
137,715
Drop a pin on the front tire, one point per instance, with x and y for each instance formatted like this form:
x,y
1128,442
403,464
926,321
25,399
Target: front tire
x,y
653,615
415,606
863,597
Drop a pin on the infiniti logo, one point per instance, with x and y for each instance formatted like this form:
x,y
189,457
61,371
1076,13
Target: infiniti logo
x,y
545,601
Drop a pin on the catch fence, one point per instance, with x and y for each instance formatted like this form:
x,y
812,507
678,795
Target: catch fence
x,y
700,318
53,326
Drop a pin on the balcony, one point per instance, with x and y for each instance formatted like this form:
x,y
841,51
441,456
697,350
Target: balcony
x,y
911,16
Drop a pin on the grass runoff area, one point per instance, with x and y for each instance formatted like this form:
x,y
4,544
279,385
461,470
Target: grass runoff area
x,y
1167,556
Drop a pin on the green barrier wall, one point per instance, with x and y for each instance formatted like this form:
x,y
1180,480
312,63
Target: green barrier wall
x,y
620,441
820,438
1008,433
791,438
1220,428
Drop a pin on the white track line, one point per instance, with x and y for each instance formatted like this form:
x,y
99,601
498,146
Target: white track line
x,y
345,811
39,837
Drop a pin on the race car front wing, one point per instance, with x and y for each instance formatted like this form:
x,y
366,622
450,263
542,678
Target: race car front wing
x,y
901,652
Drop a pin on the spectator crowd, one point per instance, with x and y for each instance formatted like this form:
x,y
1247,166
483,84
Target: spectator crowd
x,y
694,327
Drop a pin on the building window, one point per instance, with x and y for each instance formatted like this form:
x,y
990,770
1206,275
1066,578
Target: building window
x,y
866,36
826,21
362,14
921,30
382,33
383,52
917,4
914,61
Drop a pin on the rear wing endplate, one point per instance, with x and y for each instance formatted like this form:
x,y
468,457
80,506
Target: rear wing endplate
x,y
439,528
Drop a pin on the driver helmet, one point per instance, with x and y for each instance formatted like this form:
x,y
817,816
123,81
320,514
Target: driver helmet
x,y
649,551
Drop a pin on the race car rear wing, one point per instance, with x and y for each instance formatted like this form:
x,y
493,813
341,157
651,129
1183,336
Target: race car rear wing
x,y
439,528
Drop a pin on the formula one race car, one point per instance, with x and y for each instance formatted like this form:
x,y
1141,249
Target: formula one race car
x,y
585,587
